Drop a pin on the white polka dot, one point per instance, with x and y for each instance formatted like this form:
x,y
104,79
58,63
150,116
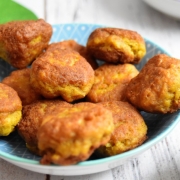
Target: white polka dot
x,y
83,28
54,29
68,28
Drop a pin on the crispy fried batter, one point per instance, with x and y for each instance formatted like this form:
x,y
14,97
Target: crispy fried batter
x,y
32,117
10,109
70,136
116,45
111,81
130,129
19,80
62,72
22,41
72,44
156,88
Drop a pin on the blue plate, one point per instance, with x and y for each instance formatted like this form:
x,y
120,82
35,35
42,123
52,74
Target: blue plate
x,y
13,149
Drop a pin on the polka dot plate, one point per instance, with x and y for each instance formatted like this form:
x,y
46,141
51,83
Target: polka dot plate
x,y
13,149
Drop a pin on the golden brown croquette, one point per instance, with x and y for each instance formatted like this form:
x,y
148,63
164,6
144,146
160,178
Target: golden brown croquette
x,y
71,135
63,73
19,80
130,129
10,109
115,45
110,82
156,88
22,41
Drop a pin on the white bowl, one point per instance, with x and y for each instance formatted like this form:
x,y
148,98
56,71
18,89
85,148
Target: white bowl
x,y
169,7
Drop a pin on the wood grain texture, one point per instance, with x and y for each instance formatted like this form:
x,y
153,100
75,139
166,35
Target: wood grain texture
x,y
11,172
162,161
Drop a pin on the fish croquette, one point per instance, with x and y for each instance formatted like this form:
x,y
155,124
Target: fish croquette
x,y
116,45
10,109
110,82
72,44
71,135
156,88
22,41
19,80
63,73
130,129
32,117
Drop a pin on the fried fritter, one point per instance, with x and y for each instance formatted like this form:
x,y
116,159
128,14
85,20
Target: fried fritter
x,y
22,41
70,136
19,80
110,82
32,117
10,109
130,129
156,88
62,72
116,45
72,44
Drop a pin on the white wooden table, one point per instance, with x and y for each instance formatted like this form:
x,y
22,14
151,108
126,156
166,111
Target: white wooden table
x,y
162,161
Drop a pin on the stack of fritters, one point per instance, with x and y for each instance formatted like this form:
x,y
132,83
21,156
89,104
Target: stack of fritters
x,y
117,48
72,107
